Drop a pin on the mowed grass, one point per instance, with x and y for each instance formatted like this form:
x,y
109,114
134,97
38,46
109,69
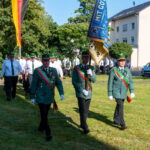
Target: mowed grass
x,y
19,121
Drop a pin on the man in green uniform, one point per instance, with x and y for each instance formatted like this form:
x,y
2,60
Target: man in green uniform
x,y
45,79
82,76
119,82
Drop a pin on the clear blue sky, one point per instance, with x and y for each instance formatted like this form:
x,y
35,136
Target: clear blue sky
x,y
61,10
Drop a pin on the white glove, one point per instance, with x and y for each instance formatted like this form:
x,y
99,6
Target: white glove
x,y
85,92
89,72
110,98
62,97
132,95
33,101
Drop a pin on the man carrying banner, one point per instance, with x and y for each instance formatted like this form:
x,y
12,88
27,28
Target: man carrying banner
x,y
119,81
82,76
45,79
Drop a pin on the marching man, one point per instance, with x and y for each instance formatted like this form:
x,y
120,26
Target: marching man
x,y
10,71
82,77
120,79
45,79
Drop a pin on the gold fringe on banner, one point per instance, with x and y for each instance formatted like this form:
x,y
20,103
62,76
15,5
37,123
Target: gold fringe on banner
x,y
98,52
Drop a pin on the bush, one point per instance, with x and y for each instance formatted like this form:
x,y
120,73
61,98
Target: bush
x,y
120,47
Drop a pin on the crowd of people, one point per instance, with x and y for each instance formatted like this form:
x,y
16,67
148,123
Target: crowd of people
x,y
40,76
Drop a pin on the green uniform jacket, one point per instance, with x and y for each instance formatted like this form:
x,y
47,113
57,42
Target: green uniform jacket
x,y
41,91
116,87
79,83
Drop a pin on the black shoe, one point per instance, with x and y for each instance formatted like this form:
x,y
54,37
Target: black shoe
x,y
8,99
86,131
123,127
49,138
81,127
14,97
40,130
115,123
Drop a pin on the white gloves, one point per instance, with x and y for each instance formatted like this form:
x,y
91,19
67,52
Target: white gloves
x,y
132,95
62,97
33,101
110,98
85,92
89,72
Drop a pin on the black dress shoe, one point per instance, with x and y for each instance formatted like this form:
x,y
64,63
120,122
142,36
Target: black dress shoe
x,y
49,138
8,99
115,123
123,127
40,130
81,127
86,131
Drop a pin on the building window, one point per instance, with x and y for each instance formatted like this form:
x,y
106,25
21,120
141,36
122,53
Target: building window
x,y
117,40
124,40
117,29
124,29
132,39
133,26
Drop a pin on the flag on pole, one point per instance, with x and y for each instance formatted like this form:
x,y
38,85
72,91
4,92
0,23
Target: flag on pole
x,y
18,12
98,31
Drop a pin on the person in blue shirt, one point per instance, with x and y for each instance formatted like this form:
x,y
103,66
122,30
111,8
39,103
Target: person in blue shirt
x,y
10,71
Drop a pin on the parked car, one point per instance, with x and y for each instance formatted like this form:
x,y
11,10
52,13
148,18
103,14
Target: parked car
x,y
146,70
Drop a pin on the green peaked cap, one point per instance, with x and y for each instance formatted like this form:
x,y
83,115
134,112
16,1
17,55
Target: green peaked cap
x,y
121,56
85,53
52,56
33,55
11,54
45,55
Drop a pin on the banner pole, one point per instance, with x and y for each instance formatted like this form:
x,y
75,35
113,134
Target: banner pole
x,y
20,51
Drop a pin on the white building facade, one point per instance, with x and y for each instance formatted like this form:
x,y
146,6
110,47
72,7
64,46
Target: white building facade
x,y
133,27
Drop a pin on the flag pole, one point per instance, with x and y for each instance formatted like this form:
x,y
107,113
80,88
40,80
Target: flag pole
x,y
20,51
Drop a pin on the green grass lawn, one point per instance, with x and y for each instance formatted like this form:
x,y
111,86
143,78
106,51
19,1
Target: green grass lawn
x,y
19,121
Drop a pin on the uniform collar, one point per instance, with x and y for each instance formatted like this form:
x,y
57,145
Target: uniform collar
x,y
121,68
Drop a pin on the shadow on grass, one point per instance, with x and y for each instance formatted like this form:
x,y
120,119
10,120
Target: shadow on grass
x,y
99,117
141,77
66,132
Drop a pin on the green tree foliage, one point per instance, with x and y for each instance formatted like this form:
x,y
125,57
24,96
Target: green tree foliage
x,y
71,37
76,30
84,13
119,47
7,36
37,28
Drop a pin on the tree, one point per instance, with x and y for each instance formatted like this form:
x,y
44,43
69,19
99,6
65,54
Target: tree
x,y
84,13
71,37
37,28
120,47
76,30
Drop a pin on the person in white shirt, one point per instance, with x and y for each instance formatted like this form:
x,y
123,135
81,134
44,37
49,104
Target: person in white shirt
x,y
63,65
31,65
56,65
111,64
75,61
106,66
25,81
101,66
59,62
10,71
22,62
68,67
39,61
